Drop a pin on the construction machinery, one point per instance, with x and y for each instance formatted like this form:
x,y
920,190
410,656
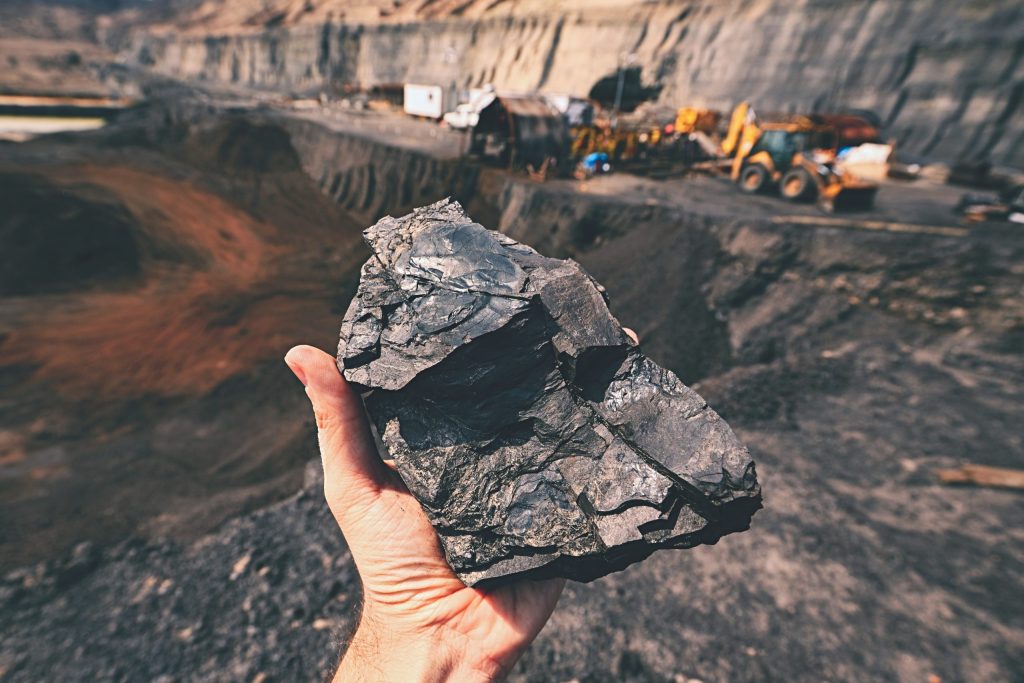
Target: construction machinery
x,y
621,143
693,120
794,154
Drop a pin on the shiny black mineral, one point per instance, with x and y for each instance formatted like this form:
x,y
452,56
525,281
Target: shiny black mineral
x,y
536,435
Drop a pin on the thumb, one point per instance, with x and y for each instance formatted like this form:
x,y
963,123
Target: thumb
x,y
353,469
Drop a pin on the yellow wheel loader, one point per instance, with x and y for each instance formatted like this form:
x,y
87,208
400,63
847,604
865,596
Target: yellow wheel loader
x,y
795,156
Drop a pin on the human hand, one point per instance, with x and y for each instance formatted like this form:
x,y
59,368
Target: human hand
x,y
419,621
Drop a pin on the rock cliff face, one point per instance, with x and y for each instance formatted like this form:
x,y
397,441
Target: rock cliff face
x,y
946,78
370,179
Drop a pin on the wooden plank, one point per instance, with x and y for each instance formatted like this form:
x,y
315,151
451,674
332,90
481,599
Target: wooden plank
x,y
982,475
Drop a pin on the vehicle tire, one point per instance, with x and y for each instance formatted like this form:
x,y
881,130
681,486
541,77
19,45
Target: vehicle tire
x,y
798,185
753,179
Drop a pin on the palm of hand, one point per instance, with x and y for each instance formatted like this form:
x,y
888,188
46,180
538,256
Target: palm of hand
x,y
407,580
409,589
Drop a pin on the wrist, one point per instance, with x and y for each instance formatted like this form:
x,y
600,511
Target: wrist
x,y
380,651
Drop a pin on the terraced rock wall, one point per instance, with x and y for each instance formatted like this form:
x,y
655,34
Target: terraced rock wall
x,y
369,179
947,78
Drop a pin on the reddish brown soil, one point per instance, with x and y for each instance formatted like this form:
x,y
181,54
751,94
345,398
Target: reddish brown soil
x,y
168,371
174,334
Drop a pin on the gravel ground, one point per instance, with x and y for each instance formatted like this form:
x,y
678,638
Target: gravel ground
x,y
852,361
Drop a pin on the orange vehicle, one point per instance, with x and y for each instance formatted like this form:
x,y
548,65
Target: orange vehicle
x,y
795,155
621,143
694,120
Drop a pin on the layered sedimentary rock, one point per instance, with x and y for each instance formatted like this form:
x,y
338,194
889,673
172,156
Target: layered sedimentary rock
x,y
536,435
944,77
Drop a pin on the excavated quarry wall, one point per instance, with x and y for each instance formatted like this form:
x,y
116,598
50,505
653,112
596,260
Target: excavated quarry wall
x,y
369,179
701,311
946,77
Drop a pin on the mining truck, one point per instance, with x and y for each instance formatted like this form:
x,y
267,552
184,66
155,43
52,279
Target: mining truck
x,y
795,156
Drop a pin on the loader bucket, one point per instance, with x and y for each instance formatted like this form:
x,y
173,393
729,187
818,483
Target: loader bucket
x,y
849,199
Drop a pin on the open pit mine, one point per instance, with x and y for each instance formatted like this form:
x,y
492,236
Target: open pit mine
x,y
809,212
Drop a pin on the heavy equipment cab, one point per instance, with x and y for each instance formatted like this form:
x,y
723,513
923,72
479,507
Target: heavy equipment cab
x,y
795,155
782,145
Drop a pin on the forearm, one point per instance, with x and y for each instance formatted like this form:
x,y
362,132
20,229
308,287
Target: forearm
x,y
377,655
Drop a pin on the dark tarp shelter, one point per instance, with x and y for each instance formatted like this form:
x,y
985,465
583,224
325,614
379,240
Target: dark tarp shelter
x,y
520,130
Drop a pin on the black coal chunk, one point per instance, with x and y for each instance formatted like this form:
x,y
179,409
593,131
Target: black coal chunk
x,y
536,435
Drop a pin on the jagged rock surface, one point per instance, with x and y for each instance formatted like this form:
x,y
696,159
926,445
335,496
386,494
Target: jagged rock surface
x,y
527,423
